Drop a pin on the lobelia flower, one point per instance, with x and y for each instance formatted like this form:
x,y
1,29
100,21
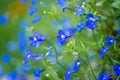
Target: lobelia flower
x,y
68,74
80,10
32,10
30,56
3,19
63,36
104,76
117,70
37,39
91,21
37,73
77,65
24,1
110,40
103,52
80,27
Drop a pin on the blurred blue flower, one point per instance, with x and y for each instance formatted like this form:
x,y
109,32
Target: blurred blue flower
x,y
117,70
24,1
6,59
80,10
34,2
22,40
119,32
13,75
32,10
77,65
37,39
3,20
91,21
104,76
68,74
12,46
24,23
61,3
37,19
110,40
37,73
103,52
80,27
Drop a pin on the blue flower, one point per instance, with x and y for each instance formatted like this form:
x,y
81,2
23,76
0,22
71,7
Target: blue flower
x,y
65,8
3,20
61,3
32,10
37,73
12,46
80,27
68,74
6,59
110,40
77,65
80,10
34,2
104,76
29,56
119,32
103,52
91,21
61,37
37,39
117,70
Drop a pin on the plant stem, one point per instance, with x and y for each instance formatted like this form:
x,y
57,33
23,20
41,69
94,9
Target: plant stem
x,y
57,59
90,66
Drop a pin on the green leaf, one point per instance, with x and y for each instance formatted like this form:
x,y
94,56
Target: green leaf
x,y
116,4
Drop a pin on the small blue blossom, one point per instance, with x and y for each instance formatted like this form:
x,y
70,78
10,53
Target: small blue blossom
x,y
117,70
37,73
80,27
91,21
68,74
104,76
80,10
37,39
61,37
103,52
34,2
6,59
119,32
110,40
37,19
29,56
61,3
3,20
77,65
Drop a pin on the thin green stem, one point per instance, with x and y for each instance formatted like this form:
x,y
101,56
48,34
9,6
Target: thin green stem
x,y
57,59
90,66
